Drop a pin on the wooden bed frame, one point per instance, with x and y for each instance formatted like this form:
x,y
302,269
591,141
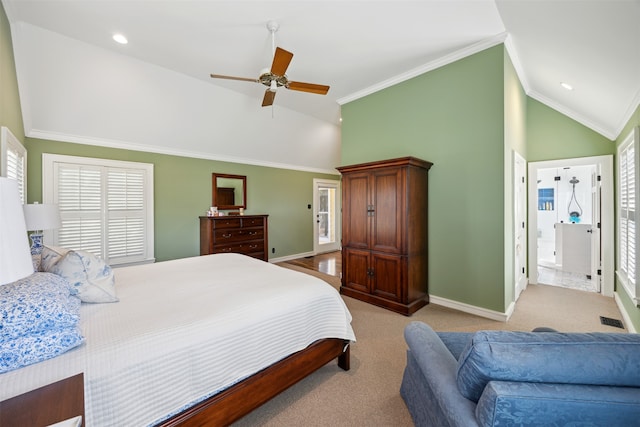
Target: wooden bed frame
x,y
65,399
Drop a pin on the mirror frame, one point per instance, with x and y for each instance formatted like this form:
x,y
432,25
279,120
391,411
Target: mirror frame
x,y
214,191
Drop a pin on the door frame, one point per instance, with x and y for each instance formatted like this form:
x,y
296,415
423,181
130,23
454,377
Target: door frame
x,y
607,220
519,223
317,183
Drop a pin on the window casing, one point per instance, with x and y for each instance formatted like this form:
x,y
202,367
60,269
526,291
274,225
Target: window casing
x,y
106,207
627,204
13,161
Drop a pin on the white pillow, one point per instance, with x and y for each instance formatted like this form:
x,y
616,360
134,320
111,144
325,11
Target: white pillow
x,y
51,255
90,276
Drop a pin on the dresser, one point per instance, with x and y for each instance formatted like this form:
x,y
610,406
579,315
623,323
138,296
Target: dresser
x,y
384,233
243,234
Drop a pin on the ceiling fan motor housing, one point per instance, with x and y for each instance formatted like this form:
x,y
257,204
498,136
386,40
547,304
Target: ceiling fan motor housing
x,y
266,77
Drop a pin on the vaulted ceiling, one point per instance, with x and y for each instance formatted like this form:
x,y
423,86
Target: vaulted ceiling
x,y
155,92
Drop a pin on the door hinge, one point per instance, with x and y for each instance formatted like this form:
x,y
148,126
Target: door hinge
x,y
522,270
599,178
598,225
599,272
523,179
556,178
522,224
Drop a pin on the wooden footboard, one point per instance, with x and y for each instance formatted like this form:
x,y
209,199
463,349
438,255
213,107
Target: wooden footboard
x,y
65,399
235,402
47,405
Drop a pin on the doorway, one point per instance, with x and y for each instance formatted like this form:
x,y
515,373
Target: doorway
x,y
571,223
326,209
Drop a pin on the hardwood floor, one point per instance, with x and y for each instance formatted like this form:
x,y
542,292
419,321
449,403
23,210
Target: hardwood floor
x,y
328,263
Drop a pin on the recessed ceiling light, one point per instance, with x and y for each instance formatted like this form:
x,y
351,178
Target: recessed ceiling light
x,y
119,38
567,86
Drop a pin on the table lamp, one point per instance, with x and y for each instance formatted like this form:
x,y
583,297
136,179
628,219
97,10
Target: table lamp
x,y
40,217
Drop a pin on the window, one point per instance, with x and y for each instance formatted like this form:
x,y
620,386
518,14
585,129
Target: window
x,y
13,163
106,206
628,175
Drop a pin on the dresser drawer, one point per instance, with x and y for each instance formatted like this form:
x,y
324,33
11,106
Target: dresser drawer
x,y
235,235
227,223
240,248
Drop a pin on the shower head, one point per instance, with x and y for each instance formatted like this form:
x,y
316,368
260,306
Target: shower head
x,y
574,181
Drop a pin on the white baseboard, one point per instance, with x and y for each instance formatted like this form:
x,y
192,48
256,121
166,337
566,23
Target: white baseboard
x,y
472,309
625,316
290,257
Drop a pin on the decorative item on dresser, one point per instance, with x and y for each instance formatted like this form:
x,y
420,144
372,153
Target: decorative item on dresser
x,y
384,233
245,234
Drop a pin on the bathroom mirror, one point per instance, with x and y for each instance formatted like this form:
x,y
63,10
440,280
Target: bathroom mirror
x,y
229,191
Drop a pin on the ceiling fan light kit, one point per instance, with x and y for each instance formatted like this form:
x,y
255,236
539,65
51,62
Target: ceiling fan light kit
x,y
275,76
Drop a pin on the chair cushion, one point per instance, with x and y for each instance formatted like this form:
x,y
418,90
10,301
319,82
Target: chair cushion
x,y
550,357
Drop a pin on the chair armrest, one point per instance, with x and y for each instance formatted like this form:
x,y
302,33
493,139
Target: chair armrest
x,y
522,403
438,366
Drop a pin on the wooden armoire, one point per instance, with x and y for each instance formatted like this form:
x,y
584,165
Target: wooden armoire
x,y
384,233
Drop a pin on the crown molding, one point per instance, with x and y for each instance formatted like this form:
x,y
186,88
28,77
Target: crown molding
x,y
131,146
430,66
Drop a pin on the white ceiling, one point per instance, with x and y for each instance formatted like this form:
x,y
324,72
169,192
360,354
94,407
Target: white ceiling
x,y
356,47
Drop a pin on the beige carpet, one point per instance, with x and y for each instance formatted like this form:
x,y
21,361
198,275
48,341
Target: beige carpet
x,y
368,394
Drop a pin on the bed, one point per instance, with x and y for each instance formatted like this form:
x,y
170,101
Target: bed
x,y
195,341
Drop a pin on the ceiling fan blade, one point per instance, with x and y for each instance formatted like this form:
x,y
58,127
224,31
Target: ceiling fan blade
x,y
281,60
308,87
268,98
244,79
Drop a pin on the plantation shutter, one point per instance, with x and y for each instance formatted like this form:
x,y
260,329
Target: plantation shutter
x,y
79,197
106,207
627,206
126,213
15,161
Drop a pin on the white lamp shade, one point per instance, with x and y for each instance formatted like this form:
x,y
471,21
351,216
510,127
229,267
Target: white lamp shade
x,y
42,216
15,256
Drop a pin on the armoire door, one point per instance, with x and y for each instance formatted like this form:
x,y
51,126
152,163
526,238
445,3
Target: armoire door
x,y
387,195
356,210
356,270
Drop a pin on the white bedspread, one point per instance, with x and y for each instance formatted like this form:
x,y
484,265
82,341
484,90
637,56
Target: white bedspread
x,y
185,329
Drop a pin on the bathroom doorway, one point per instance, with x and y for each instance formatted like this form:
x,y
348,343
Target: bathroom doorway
x,y
570,243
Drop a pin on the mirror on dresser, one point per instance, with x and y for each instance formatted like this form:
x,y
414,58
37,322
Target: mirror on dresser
x,y
229,191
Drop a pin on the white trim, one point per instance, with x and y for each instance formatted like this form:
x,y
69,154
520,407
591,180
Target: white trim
x,y
131,146
440,62
472,309
607,220
625,316
633,139
290,257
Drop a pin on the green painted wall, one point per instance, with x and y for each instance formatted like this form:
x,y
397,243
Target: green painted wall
x,y
632,310
182,192
552,135
454,117
10,112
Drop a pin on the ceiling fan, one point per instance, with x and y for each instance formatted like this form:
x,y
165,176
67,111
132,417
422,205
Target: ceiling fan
x,y
275,77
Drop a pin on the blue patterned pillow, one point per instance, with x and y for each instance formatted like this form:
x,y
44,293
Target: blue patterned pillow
x,y
40,346
90,276
35,303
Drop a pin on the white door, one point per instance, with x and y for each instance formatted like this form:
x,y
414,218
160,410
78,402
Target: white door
x,y
596,244
520,223
326,216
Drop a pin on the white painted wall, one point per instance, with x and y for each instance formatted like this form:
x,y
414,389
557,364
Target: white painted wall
x,y
76,92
